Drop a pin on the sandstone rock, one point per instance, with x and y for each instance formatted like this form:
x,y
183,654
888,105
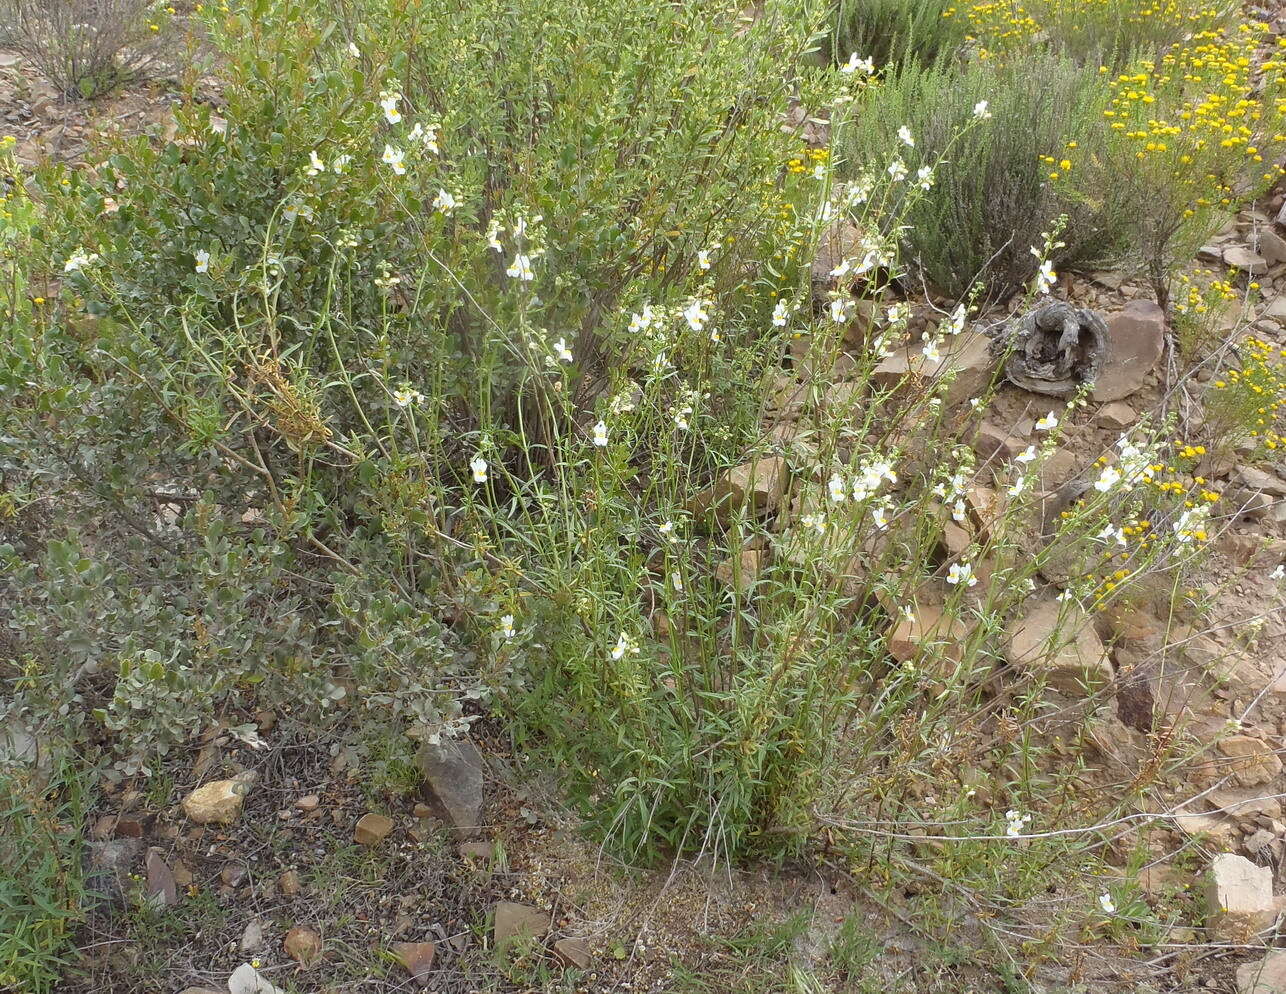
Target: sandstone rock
x,y
1058,641
757,488
1117,415
1212,829
1239,898
1276,309
740,574
246,979
1242,258
452,772
372,829
479,851
1153,691
995,445
572,953
1271,246
842,240
303,945
290,883
928,634
1257,479
1253,760
110,864
162,891
965,361
218,802
1135,341
514,921
1265,976
252,938
1246,805
309,802
416,958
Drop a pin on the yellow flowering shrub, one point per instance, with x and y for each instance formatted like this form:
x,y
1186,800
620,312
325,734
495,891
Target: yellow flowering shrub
x,y
1249,399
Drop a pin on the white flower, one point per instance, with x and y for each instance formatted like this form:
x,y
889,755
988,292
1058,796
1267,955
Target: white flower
x,y
817,522
843,269
202,261
856,65
493,236
1107,479
716,335
1045,277
780,314
562,351
958,512
388,102
444,202
1278,573
354,51
600,434
1112,533
930,350
428,136
904,136
315,164
841,309
479,467
394,157
956,323
681,417
405,397
340,164
881,515
1048,423
667,529
898,313
924,177
1026,456
1017,487
897,170
837,489
521,268
622,646
961,573
507,626
703,260
79,260
908,615
642,320
1015,821
696,315
677,580
980,110
1105,902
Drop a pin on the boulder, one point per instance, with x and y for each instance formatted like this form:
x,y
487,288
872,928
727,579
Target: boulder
x,y
1135,341
1239,898
1057,640
757,488
452,771
965,361
1264,976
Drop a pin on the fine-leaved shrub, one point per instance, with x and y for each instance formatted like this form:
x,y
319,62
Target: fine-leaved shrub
x,y
889,31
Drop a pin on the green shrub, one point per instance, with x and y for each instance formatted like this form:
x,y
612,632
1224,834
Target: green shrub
x,y
893,31
992,196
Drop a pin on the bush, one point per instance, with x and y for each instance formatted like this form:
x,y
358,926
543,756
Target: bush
x,y
894,31
999,162
84,47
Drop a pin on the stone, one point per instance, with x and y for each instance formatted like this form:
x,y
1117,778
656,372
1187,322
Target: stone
x,y
965,360
1242,258
1254,761
515,922
252,938
740,574
372,829
182,875
290,883
1276,309
572,953
1211,829
246,979
1117,415
1135,341
930,635
1254,478
1271,245
162,891
1258,842
233,873
756,488
1246,806
309,802
303,945
842,240
1265,976
110,863
452,772
416,958
1057,640
1239,898
479,851
994,444
199,990
1153,692
218,802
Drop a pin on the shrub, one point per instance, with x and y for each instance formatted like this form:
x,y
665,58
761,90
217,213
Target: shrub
x,y
999,163
894,31
85,47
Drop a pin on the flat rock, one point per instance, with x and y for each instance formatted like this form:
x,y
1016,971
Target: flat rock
x,y
1135,341
452,771
740,573
1117,415
218,802
1265,976
1271,245
965,363
514,921
1239,898
252,938
162,891
1058,640
1246,260
290,883
416,958
246,979
372,829
110,864
573,953
1253,761
756,488
1254,478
